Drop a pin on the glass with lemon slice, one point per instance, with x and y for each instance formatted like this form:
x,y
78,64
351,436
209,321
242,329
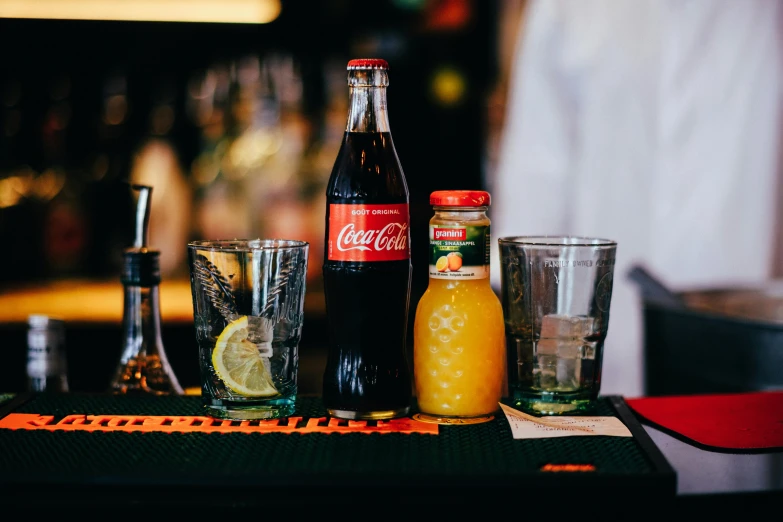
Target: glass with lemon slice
x,y
248,303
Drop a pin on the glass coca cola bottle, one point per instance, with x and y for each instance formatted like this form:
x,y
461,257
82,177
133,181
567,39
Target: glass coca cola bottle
x,y
367,268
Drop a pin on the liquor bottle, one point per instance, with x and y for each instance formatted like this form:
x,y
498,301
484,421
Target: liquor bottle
x,y
367,267
46,366
109,202
143,367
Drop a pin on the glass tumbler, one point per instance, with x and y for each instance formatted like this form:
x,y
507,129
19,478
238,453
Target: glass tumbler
x,y
248,307
556,293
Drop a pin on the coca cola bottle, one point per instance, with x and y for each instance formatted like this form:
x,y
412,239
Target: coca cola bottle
x,y
367,268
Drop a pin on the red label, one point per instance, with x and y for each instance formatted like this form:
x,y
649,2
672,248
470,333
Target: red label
x,y
368,232
453,234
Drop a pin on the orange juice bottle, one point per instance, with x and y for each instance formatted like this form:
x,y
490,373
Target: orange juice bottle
x,y
458,337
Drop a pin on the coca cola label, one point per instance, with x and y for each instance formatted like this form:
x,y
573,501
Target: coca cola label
x,y
368,233
459,252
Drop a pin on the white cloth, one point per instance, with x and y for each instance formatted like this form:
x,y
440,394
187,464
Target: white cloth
x,y
655,123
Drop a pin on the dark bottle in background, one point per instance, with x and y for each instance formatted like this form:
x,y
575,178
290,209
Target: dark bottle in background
x,y
367,267
107,162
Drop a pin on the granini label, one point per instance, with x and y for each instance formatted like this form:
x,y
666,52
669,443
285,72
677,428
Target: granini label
x,y
459,252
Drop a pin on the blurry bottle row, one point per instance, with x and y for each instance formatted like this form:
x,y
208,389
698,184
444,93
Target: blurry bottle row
x,y
230,150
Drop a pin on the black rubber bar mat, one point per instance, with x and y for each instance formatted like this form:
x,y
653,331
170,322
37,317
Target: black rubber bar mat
x,y
95,450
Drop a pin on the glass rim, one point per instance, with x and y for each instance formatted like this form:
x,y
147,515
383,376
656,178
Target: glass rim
x,y
247,245
557,241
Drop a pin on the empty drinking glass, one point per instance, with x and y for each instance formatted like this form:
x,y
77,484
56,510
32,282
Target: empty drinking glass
x,y
556,293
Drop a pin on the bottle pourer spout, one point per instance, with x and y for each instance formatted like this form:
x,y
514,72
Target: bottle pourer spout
x,y
142,215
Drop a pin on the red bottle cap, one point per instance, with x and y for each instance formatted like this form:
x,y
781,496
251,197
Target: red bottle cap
x,y
460,198
368,63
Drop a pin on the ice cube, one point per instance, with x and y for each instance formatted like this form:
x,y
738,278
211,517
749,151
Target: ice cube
x,y
554,326
568,372
259,329
265,349
266,359
569,364
569,349
544,372
559,364
546,347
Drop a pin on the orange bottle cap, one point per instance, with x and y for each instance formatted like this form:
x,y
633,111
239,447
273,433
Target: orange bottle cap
x,y
460,198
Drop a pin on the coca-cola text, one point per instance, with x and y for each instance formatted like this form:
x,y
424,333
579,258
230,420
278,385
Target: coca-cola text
x,y
368,232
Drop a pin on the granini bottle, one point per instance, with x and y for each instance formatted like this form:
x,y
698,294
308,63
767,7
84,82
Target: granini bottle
x,y
459,351
367,267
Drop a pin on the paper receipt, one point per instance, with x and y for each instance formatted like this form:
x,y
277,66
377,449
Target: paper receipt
x,y
524,426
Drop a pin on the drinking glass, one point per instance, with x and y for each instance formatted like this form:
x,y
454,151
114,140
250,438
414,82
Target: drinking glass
x,y
248,303
556,292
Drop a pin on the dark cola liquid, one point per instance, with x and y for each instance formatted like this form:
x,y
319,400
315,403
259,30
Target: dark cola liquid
x,y
367,302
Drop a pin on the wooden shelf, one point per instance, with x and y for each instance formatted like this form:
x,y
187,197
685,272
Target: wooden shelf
x,y
100,302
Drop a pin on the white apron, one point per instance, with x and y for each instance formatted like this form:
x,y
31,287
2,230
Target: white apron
x,y
655,123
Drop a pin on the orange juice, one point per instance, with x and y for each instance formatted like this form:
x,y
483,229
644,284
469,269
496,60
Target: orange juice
x,y
459,340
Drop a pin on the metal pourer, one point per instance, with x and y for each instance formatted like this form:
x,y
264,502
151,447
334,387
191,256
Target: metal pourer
x,y
142,264
143,205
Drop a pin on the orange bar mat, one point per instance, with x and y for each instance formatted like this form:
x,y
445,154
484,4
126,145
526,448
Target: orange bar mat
x,y
187,424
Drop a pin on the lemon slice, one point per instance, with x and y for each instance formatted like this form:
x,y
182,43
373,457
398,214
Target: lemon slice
x,y
442,264
239,364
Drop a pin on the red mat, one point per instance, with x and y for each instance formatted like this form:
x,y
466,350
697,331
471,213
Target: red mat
x,y
736,421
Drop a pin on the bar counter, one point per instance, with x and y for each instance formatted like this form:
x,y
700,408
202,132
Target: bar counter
x,y
103,450
76,450
64,452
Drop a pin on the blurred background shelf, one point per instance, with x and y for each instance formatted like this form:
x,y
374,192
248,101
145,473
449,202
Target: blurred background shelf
x,y
79,301
236,126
